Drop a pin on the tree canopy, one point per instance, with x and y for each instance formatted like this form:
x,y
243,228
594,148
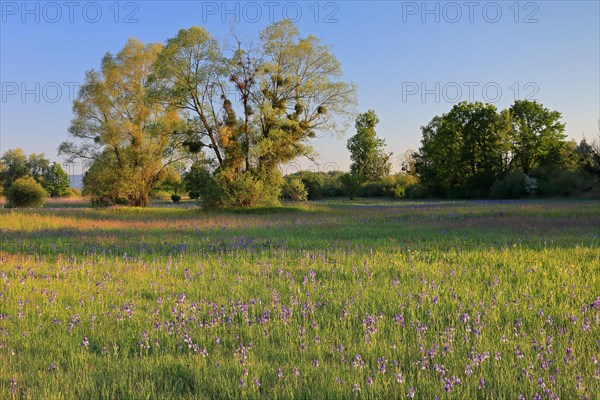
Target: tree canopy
x,y
122,131
465,151
253,107
370,162
249,107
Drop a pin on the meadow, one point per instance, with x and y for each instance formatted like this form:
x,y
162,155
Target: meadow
x,y
424,300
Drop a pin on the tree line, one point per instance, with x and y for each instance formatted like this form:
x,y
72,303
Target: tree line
x,y
476,151
27,180
218,121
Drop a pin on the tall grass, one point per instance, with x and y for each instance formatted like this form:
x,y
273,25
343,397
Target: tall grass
x,y
331,300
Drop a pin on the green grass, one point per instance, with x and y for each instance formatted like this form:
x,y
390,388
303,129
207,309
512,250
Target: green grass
x,y
182,303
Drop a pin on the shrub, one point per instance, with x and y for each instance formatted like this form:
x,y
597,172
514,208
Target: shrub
x,y
372,189
332,185
220,191
511,186
313,183
26,192
74,192
175,198
404,186
161,195
351,185
554,182
294,189
104,186
531,185
389,186
250,191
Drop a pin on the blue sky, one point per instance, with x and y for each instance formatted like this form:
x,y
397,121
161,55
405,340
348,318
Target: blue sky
x,y
410,60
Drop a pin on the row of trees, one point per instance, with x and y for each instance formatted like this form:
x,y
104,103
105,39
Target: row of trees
x,y
15,165
240,111
475,151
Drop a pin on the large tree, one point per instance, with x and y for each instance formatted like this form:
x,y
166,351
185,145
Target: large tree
x,y
370,162
463,150
253,107
123,132
537,135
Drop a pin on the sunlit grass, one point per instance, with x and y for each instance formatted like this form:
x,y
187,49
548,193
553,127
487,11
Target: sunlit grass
x,y
323,300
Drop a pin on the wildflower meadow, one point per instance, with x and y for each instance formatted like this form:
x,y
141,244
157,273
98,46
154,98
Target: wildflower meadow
x,y
424,300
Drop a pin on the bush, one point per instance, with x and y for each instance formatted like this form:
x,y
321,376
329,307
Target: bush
x,y
351,185
372,189
221,191
332,184
26,192
511,186
554,182
175,198
74,192
161,195
104,186
389,186
294,189
313,183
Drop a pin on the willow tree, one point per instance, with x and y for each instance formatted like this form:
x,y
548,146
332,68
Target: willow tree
x,y
120,129
253,107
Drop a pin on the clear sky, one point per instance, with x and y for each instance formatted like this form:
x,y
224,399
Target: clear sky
x,y
410,60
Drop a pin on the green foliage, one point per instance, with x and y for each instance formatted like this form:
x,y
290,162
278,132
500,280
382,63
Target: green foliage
x,y
556,182
370,162
26,192
403,185
395,186
105,185
161,195
320,185
313,182
15,164
171,179
56,181
536,134
351,185
121,129
475,152
588,158
246,191
38,165
511,186
199,182
294,189
175,198
217,190
461,151
284,88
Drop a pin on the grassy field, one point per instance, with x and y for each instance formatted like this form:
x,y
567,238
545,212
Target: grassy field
x,y
460,300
